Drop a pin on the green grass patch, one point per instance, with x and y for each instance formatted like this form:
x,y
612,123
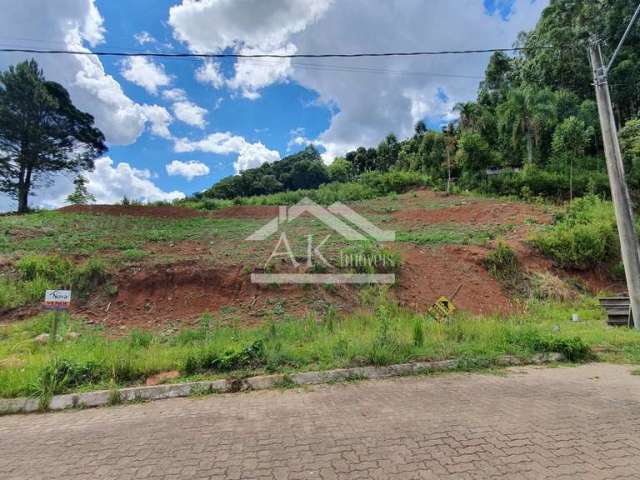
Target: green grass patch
x,y
583,237
386,335
38,273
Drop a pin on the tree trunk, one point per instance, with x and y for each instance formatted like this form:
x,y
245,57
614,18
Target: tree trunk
x,y
571,181
24,185
529,147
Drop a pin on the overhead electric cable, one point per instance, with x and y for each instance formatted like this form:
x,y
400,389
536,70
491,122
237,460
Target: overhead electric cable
x,y
264,55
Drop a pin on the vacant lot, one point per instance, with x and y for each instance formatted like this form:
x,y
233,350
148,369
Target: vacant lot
x,y
168,289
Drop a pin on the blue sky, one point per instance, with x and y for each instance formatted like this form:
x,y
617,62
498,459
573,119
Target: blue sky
x,y
156,112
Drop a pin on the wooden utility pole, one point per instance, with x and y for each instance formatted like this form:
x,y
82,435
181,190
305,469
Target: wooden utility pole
x,y
619,189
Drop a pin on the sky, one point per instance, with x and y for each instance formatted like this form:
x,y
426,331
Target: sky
x,y
176,126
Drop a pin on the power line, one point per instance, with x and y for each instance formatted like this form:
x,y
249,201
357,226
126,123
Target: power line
x,y
265,55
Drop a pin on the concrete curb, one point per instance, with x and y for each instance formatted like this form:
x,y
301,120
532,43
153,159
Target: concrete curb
x,y
107,397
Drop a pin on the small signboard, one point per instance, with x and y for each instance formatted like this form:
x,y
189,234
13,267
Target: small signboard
x,y
57,299
442,309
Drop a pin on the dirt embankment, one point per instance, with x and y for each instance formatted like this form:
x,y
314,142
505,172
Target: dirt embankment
x,y
157,296
429,273
477,212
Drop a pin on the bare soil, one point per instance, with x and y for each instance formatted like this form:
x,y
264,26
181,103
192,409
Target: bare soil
x,y
157,296
478,212
429,273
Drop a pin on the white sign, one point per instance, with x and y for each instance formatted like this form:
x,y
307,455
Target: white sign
x,y
57,299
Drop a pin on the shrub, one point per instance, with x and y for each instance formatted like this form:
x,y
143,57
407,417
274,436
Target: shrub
x,y
502,263
370,257
547,286
251,356
573,348
38,273
583,238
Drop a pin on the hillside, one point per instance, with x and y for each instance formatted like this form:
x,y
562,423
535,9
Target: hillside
x,y
169,265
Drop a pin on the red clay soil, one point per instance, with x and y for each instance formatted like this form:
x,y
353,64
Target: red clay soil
x,y
246,211
152,297
428,274
164,211
481,212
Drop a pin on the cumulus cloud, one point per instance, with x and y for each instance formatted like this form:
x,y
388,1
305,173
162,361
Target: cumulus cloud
x,y
109,183
190,113
209,72
72,24
235,22
174,94
250,155
144,37
145,73
251,75
188,170
368,97
159,118
235,27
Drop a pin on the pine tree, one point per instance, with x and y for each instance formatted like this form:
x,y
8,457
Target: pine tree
x,y
80,195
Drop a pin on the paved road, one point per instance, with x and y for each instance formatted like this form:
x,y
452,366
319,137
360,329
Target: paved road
x,y
533,423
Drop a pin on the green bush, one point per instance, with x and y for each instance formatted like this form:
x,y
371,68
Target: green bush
x,y
573,348
38,273
251,356
502,263
583,238
534,181
370,257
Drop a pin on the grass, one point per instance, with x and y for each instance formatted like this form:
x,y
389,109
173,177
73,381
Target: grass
x,y
384,336
37,273
85,234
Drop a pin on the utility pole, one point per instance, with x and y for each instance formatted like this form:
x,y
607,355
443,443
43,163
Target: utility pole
x,y
615,169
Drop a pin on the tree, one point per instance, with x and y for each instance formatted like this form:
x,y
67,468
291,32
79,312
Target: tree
x,y
340,170
570,140
630,145
450,146
388,151
41,132
80,195
474,154
524,113
420,128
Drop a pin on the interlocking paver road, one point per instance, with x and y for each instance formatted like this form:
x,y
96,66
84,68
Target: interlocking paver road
x,y
581,422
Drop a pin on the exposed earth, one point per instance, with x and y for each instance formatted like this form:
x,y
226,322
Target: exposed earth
x,y
172,279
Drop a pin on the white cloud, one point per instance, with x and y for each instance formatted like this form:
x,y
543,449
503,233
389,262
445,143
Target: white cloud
x,y
209,72
213,25
236,27
251,74
250,155
145,73
190,113
144,37
108,183
188,170
159,118
174,94
70,24
368,97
